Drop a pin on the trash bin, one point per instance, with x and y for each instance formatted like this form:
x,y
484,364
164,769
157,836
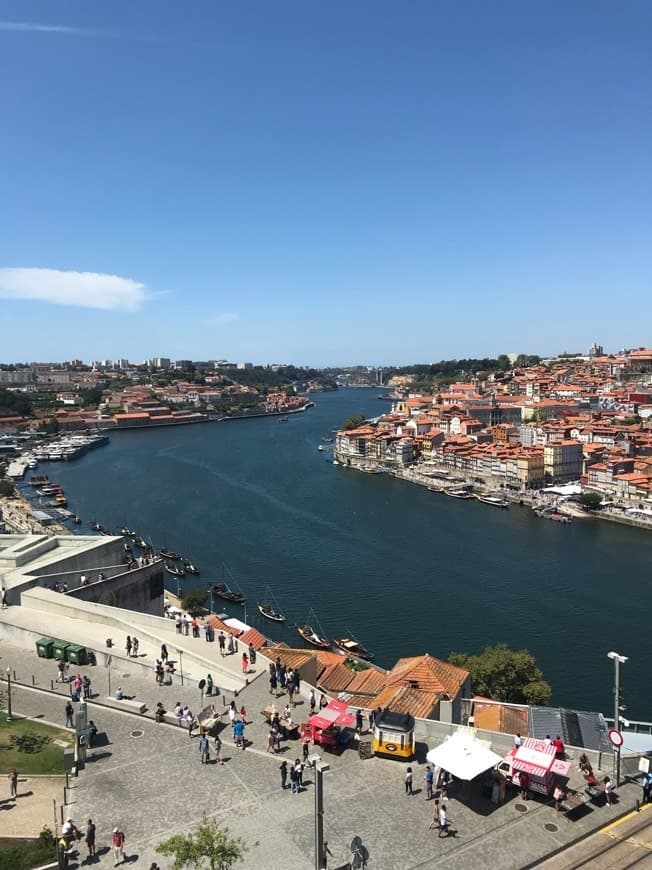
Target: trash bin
x,y
60,650
77,655
45,648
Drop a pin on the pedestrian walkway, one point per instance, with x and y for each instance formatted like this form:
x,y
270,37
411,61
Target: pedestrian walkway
x,y
148,780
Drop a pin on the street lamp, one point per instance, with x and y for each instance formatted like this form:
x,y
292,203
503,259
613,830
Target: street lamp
x,y
180,651
618,660
8,672
320,767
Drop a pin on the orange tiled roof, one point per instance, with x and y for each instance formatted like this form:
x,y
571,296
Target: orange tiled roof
x,y
429,673
335,678
253,638
367,682
496,717
290,658
401,699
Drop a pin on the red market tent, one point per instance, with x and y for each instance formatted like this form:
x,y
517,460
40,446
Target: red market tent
x,y
333,714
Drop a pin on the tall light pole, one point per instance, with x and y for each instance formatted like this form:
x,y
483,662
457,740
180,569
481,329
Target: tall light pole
x,y
618,660
320,767
8,672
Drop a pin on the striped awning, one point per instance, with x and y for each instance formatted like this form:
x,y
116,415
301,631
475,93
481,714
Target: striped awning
x,y
534,757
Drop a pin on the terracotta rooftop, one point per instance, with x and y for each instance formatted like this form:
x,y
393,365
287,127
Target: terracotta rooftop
x,y
290,658
401,699
499,717
429,674
368,682
335,678
253,638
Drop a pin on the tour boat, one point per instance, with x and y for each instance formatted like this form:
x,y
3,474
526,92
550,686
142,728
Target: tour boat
x,y
352,648
494,501
458,493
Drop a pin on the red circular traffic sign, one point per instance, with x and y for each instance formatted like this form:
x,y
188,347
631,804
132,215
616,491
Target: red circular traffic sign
x,y
616,737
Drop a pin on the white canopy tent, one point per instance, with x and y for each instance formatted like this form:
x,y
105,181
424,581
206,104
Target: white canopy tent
x,y
463,755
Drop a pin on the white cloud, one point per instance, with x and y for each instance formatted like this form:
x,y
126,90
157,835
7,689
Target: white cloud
x,y
35,27
84,289
227,317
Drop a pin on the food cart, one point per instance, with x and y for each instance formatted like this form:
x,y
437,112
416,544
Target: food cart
x,y
538,760
326,728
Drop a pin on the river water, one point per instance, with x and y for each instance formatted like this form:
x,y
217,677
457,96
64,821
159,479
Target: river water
x,y
406,570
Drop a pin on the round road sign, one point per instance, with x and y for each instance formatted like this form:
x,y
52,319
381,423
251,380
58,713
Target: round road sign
x,y
616,737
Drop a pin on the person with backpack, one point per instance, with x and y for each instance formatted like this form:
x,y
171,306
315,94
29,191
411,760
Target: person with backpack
x,y
204,749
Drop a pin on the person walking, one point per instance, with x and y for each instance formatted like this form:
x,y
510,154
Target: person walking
x,y
408,781
245,662
70,712
429,778
61,671
435,817
271,737
284,774
608,791
204,749
312,701
222,641
443,821
90,839
299,769
273,684
134,647
164,653
252,655
230,646
294,782
238,734
128,646
217,745
326,852
209,685
306,749
358,721
86,687
118,845
13,783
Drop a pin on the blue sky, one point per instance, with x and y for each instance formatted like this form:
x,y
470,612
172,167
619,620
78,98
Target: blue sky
x,y
324,183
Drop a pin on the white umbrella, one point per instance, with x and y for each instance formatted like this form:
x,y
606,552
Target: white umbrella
x,y
463,756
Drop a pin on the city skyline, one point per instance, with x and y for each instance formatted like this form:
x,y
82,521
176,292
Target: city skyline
x,y
364,184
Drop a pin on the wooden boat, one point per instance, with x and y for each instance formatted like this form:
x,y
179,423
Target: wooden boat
x,y
76,520
189,568
39,480
310,636
268,612
169,554
176,572
223,591
352,648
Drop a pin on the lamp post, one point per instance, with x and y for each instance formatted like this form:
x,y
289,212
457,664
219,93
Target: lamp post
x,y
8,672
320,767
180,651
618,660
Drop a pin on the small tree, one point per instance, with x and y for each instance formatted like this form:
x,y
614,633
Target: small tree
x,y
353,422
194,601
208,846
591,500
505,675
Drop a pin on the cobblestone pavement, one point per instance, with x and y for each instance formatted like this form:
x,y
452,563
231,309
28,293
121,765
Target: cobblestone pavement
x,y
148,779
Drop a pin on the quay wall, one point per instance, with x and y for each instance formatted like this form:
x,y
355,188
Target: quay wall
x,y
141,590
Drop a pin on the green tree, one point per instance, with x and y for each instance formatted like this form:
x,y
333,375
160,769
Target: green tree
x,y
591,500
505,675
194,601
6,488
209,846
353,422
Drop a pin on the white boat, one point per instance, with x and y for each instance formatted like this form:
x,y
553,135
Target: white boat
x,y
458,493
320,447
55,455
494,501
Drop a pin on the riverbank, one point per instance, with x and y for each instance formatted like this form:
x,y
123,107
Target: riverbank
x,y
434,480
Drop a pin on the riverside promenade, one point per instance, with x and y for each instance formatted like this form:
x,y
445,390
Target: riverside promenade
x,y
147,779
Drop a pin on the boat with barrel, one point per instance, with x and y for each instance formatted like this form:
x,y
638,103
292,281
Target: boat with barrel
x,y
176,572
189,568
311,636
352,648
270,610
223,591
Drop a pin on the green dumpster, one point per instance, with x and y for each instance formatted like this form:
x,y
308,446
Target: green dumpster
x,y
45,648
77,655
60,650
